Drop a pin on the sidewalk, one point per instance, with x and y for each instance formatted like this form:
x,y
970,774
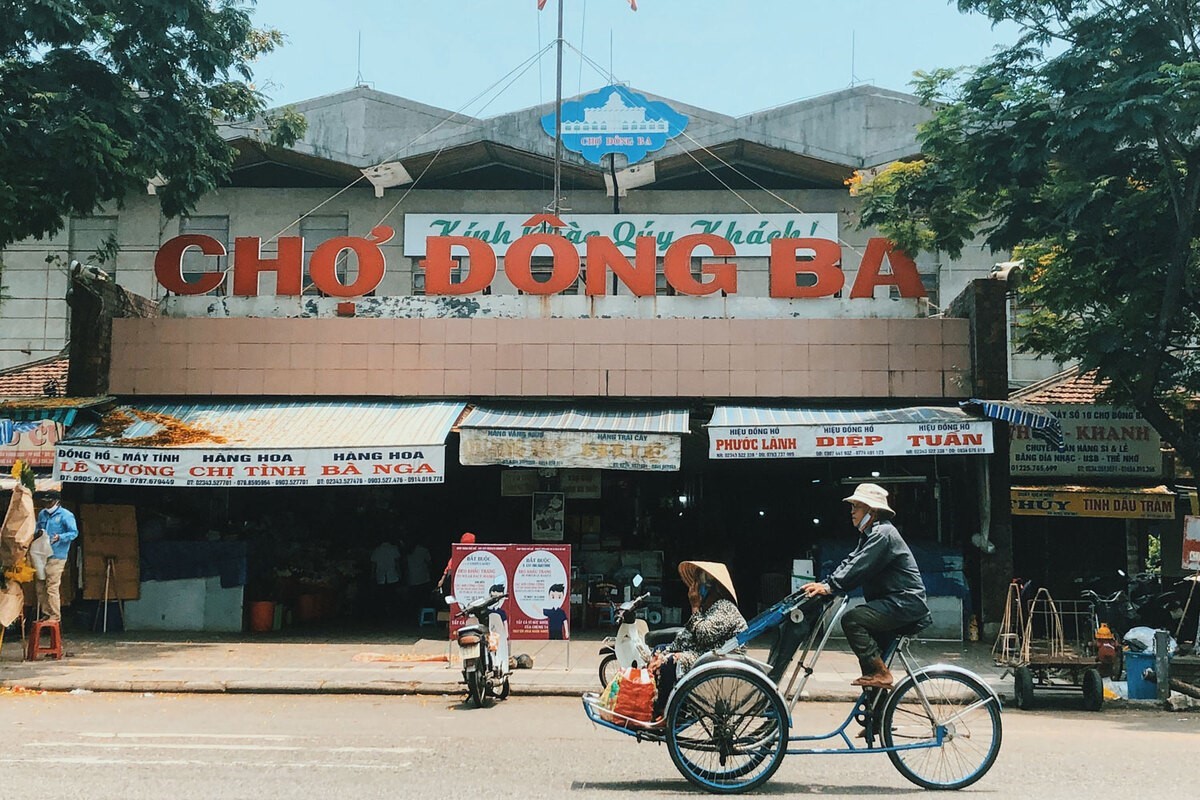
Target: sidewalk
x,y
370,664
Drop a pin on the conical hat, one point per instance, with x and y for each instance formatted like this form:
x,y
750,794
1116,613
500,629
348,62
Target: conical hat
x,y
718,571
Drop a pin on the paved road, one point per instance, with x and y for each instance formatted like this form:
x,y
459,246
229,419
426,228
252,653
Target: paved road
x,y
265,747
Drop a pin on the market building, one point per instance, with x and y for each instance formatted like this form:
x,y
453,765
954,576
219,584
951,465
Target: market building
x,y
383,331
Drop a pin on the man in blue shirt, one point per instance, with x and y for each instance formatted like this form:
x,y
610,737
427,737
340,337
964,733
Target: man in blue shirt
x,y
58,525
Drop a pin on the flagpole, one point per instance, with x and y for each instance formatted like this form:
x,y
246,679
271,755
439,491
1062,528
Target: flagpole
x,y
554,206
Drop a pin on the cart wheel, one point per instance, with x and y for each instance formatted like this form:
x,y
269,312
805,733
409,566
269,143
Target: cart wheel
x,y
1023,688
1093,690
727,730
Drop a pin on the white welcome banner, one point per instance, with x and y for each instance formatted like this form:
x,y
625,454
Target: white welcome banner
x,y
180,466
838,441
750,234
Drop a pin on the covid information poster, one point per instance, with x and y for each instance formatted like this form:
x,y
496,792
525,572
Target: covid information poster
x,y
537,579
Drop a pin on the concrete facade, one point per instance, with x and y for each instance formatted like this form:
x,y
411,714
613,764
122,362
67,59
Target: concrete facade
x,y
803,151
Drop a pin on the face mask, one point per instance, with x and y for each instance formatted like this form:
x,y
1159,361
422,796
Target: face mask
x,y
865,522
702,590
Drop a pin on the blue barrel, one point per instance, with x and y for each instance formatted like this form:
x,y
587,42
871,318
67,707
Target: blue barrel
x,y
1136,665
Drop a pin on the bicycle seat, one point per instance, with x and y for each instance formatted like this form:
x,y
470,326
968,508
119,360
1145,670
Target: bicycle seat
x,y
913,628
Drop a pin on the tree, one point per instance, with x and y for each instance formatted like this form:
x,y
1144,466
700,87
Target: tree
x,y
1078,149
99,97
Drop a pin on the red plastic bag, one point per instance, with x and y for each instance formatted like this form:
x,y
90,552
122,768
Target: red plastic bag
x,y
635,695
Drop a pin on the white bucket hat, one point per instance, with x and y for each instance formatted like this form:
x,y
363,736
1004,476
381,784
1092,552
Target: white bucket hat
x,y
872,496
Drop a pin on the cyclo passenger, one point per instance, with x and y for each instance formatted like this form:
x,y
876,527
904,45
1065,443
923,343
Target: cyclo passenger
x,y
715,619
883,565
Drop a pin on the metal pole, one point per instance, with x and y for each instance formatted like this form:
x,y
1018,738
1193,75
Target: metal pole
x,y
1162,667
558,116
612,168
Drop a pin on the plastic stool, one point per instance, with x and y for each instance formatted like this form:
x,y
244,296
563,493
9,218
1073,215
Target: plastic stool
x,y
35,648
428,616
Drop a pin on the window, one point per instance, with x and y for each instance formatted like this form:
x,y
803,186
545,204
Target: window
x,y
93,241
542,267
318,229
195,263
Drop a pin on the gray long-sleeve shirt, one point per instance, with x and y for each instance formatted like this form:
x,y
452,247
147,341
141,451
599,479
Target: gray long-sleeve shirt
x,y
884,567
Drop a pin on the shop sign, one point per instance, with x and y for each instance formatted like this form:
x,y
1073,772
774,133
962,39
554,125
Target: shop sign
x,y
518,482
1107,505
181,466
616,120
580,484
840,441
628,248
1191,543
1101,441
31,442
596,449
537,579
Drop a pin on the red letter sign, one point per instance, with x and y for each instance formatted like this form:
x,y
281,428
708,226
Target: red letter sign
x,y
603,255
566,263
677,265
904,272
168,264
785,267
439,265
322,267
287,265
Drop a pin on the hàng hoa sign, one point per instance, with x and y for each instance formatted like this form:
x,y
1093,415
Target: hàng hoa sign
x,y
632,259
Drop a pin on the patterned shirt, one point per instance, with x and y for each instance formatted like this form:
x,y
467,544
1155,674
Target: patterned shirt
x,y
706,630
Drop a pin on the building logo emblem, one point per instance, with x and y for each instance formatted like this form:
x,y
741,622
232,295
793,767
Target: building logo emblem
x,y
616,120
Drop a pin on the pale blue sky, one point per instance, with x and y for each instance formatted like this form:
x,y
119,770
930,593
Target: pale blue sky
x,y
730,56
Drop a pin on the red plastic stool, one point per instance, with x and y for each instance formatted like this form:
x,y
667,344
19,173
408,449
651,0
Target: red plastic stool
x,y
36,649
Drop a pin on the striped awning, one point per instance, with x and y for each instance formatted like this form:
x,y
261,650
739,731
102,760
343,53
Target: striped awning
x,y
614,437
1041,423
288,443
808,432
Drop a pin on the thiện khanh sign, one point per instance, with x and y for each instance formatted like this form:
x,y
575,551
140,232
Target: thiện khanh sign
x,y
188,466
462,255
841,441
541,448
1045,501
1101,441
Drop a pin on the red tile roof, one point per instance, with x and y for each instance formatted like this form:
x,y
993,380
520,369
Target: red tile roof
x,y
30,380
1067,387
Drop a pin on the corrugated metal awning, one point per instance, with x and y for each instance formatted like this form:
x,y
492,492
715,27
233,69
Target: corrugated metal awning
x,y
62,410
755,416
289,424
806,432
293,443
1039,420
609,420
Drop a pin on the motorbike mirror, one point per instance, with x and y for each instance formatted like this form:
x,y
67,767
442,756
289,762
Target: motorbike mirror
x,y
637,580
450,600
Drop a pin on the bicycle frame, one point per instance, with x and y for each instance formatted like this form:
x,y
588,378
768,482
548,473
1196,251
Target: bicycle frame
x,y
869,699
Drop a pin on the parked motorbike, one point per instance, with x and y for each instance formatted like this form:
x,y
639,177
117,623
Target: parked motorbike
x,y
634,640
483,648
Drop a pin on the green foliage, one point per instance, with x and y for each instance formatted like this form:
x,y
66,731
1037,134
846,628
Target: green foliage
x,y
97,97
1078,149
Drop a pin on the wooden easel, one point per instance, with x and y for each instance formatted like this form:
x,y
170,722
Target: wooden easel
x,y
110,577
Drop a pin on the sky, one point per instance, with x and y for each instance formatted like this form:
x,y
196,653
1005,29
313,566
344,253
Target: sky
x,y
729,56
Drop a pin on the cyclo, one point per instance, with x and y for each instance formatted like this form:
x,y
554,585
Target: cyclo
x,y
728,726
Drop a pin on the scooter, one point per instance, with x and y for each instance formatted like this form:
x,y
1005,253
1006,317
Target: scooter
x,y
634,640
483,649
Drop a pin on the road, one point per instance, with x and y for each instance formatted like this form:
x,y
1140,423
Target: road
x,y
130,747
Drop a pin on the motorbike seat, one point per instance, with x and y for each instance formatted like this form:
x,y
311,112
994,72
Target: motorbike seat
x,y
478,630
661,636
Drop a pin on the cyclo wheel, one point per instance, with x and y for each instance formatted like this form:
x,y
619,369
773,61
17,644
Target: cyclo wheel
x,y
727,729
608,670
969,715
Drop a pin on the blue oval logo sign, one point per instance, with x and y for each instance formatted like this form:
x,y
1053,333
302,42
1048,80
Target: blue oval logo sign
x,y
616,120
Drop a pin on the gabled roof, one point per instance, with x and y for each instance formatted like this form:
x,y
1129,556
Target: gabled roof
x,y
811,143
1068,387
33,379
